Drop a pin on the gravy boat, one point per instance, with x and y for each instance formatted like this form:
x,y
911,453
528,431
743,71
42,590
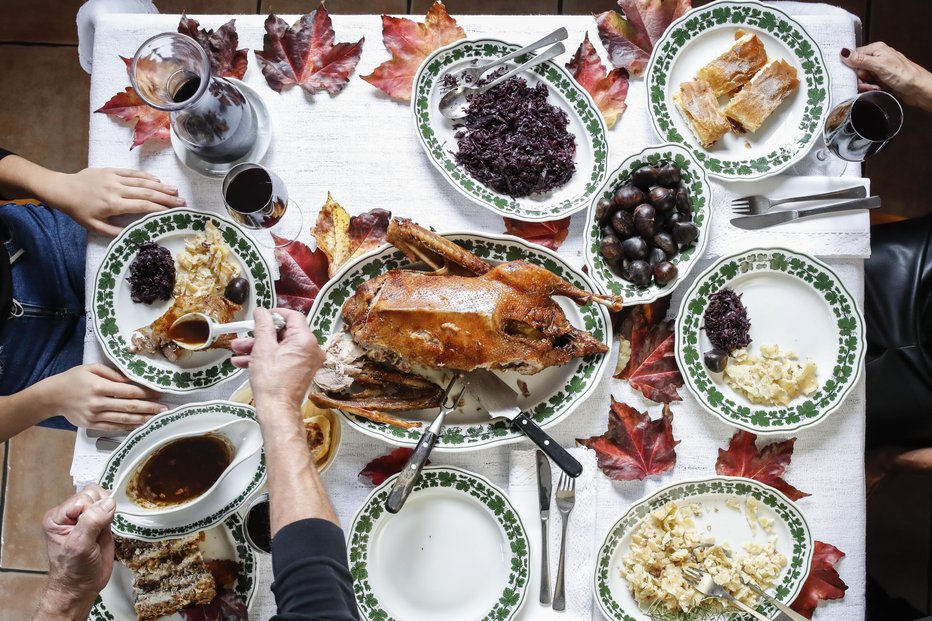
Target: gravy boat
x,y
243,436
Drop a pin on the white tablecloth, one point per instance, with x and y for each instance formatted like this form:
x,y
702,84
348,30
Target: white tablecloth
x,y
361,147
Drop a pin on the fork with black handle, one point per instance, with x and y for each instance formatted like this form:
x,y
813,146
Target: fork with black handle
x,y
703,582
758,204
566,498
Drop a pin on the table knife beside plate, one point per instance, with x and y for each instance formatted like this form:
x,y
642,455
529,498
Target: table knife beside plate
x,y
544,488
501,401
762,221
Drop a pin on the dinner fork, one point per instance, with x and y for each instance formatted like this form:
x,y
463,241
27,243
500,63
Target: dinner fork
x,y
566,498
703,582
758,204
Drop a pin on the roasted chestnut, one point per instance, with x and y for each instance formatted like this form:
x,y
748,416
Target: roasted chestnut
x,y
610,247
668,176
640,272
684,233
662,198
664,241
683,204
628,197
237,290
603,210
645,177
655,256
634,248
623,223
715,360
645,222
664,272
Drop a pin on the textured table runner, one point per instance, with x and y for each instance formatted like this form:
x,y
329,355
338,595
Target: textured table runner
x,y
362,147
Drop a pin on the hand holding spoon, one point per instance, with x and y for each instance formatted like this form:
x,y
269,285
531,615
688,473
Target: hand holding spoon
x,y
197,331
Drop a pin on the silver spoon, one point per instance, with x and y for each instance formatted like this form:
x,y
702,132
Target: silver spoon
x,y
454,105
469,75
204,337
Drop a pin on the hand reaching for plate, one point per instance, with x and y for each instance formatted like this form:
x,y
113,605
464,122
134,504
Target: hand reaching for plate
x,y
281,365
879,65
80,548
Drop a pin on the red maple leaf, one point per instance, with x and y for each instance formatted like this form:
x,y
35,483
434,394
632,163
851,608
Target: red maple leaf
x,y
385,466
129,106
823,581
634,446
550,234
301,275
608,90
410,43
650,366
225,60
305,54
630,39
767,465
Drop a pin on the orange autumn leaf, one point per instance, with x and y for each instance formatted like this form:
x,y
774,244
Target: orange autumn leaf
x,y
410,43
129,106
608,90
342,237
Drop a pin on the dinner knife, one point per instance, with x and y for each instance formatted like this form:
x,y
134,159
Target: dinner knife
x,y
544,488
762,221
501,401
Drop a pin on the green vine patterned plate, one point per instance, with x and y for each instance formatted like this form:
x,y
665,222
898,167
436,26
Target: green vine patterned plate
x,y
436,132
700,36
457,551
794,301
235,489
725,522
700,192
224,541
549,396
116,316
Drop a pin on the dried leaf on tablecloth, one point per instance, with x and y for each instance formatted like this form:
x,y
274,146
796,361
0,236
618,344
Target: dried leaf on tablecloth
x,y
646,357
550,234
410,43
823,582
129,106
301,275
767,465
381,468
225,60
629,40
342,237
634,447
608,90
226,606
305,54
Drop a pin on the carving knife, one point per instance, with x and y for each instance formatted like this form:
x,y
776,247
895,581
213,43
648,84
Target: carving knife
x,y
544,487
501,401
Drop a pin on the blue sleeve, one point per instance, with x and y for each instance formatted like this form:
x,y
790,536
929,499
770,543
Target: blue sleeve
x,y
4,153
312,578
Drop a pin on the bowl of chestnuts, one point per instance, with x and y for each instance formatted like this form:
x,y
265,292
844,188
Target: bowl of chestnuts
x,y
648,224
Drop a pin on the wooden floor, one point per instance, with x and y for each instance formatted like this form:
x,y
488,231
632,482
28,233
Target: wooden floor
x,y
44,116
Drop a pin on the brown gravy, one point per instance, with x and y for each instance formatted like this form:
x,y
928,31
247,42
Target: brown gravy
x,y
180,471
193,332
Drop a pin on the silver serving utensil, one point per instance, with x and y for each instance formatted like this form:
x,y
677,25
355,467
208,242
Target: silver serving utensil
x,y
408,476
544,487
786,610
215,329
762,221
470,75
704,583
501,401
566,499
758,203
455,104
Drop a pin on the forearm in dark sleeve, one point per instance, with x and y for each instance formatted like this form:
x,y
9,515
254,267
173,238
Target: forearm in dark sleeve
x,y
312,578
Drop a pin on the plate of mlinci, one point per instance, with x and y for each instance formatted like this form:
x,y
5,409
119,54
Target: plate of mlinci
x,y
806,349
734,527
749,147
206,251
438,135
549,396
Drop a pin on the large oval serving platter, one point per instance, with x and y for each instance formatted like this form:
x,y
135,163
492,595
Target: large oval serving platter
x,y
551,395
229,495
718,519
224,541
700,193
436,132
116,316
794,301
700,36
458,551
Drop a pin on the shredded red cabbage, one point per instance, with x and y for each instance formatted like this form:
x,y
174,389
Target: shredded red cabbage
x,y
151,274
726,321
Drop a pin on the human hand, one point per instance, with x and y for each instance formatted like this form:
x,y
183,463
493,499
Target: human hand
x,y
94,195
880,66
80,549
281,366
95,396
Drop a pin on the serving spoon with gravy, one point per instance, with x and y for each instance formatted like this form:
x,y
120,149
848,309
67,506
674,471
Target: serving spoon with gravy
x,y
197,331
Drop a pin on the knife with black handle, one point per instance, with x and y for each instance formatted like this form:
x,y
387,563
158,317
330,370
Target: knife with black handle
x,y
501,401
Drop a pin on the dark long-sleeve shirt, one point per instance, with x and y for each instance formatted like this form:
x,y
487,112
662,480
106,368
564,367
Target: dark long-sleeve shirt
x,y
312,578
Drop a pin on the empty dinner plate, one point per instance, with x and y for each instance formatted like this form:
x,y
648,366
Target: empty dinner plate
x,y
457,551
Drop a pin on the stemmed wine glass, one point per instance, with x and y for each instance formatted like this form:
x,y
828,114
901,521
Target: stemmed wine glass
x,y
858,128
256,198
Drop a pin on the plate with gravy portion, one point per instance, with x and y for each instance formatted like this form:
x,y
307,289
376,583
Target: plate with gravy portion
x,y
172,477
740,84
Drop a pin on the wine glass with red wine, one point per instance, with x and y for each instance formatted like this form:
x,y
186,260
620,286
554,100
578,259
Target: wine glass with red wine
x,y
858,128
256,198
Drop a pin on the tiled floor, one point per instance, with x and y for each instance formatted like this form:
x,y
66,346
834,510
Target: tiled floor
x,y
43,115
